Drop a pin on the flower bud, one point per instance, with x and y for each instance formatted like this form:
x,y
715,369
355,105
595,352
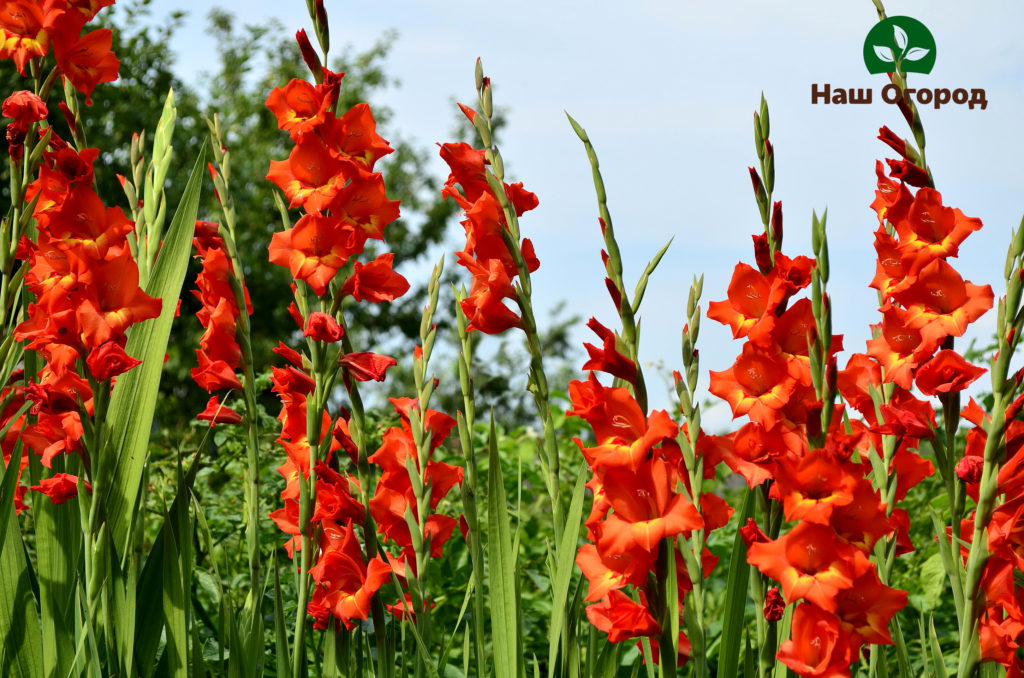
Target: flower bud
x,y
309,55
774,605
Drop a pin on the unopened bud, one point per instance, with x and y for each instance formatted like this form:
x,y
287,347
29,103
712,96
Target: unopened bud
x,y
774,605
309,55
969,469
776,224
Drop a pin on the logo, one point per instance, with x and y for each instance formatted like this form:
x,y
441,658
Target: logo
x,y
899,42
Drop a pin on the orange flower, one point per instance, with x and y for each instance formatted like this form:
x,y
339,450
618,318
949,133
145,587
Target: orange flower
x,y
931,230
812,486
311,176
898,349
86,60
941,304
751,298
810,562
759,384
817,645
646,508
867,606
376,281
354,136
345,583
25,27
116,302
623,434
298,106
947,372
621,618
315,248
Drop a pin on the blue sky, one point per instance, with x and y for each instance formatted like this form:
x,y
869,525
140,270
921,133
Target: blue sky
x,y
666,91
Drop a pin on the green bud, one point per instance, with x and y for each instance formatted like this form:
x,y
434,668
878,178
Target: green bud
x,y
758,138
486,102
1018,240
765,123
479,74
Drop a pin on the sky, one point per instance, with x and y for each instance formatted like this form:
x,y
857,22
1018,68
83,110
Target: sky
x,y
666,91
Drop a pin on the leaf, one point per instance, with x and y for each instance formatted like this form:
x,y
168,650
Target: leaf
x,y
933,581
916,54
133,401
175,624
735,599
563,570
883,53
501,569
936,649
22,653
901,37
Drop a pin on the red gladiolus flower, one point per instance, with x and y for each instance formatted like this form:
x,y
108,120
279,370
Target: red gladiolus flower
x,y
759,384
25,28
109,360
812,486
25,107
624,436
214,375
60,487
947,372
606,573
376,281
315,248
931,230
86,60
774,605
608,358
941,304
868,606
311,176
345,583
322,327
298,106
817,646
218,413
810,562
752,297
621,618
354,136
645,508
367,366
117,301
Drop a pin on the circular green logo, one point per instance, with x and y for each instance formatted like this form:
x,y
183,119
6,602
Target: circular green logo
x,y
899,42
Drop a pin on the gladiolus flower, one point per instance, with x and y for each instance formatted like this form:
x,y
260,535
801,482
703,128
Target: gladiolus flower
x,y
817,646
25,107
322,327
109,360
217,413
366,366
60,487
621,618
810,562
947,372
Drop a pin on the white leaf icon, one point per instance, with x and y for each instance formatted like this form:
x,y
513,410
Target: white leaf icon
x,y
916,54
883,53
901,37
